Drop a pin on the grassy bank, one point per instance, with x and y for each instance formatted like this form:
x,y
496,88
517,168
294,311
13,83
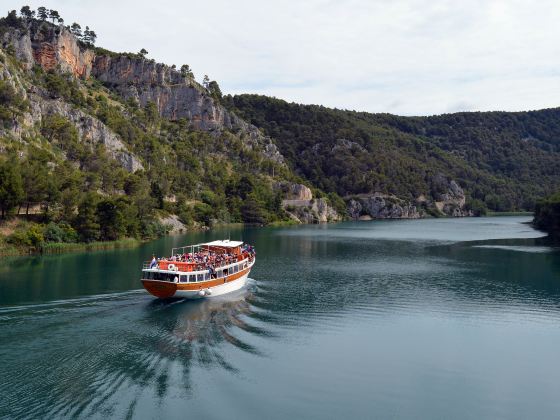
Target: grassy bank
x,y
509,213
7,250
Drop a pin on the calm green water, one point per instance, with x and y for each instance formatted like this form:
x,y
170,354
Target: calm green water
x,y
454,318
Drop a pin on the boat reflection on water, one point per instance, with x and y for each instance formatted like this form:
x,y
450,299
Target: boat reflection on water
x,y
195,332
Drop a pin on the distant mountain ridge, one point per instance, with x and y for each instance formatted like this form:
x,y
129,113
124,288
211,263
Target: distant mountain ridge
x,y
502,160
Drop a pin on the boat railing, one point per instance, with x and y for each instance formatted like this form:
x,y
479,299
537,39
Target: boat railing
x,y
147,265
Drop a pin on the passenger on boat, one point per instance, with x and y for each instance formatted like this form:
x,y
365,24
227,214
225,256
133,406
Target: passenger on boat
x,y
154,263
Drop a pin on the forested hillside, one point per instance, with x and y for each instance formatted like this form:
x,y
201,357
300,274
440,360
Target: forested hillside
x,y
505,160
99,146
80,160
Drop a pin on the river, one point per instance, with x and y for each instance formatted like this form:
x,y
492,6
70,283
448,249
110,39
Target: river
x,y
439,318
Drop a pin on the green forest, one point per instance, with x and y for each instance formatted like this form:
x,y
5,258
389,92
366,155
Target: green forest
x,y
505,161
547,215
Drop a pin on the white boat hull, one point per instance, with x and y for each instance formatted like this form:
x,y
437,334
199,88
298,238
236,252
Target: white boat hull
x,y
219,290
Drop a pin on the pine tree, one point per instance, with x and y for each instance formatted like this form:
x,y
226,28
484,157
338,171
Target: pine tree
x,y
27,13
86,35
11,186
53,14
76,29
86,223
143,52
92,37
215,90
42,13
186,71
111,220
206,81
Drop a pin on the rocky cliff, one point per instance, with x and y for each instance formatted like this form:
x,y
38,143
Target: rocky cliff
x,y
133,77
299,203
382,206
90,129
449,201
176,97
52,47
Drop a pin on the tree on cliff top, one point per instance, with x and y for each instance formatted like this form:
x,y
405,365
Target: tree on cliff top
x,y
89,37
143,52
186,71
27,13
53,14
215,90
42,13
76,29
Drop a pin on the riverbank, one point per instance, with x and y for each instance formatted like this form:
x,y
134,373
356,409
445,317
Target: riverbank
x,y
8,250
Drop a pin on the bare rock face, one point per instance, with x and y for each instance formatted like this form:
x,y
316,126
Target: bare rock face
x,y
176,97
52,47
380,206
311,211
137,78
90,129
173,223
450,198
299,203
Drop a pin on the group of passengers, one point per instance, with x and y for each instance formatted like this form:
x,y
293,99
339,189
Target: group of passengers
x,y
205,260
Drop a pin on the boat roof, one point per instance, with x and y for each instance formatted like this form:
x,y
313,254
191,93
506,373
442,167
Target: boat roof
x,y
226,243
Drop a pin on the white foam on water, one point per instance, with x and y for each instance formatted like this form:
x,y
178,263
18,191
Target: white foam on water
x,y
518,248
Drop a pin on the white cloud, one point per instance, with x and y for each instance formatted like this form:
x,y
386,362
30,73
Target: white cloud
x,y
405,57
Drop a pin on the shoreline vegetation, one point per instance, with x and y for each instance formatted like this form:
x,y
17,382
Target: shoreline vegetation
x,y
8,249
547,216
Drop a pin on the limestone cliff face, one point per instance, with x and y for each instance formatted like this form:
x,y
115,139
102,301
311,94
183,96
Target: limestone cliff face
x,y
55,47
176,97
52,47
91,130
450,201
299,204
382,206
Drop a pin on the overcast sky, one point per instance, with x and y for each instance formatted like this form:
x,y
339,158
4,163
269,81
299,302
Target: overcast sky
x,y
404,57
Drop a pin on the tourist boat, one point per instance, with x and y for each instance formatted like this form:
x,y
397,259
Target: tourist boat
x,y
200,271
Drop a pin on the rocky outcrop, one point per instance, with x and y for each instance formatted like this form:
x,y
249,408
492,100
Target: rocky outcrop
x,y
449,197
52,47
449,200
176,97
299,204
137,78
90,130
382,206
173,224
292,192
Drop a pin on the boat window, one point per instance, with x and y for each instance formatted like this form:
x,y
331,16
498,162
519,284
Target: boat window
x,y
184,279
245,265
200,277
206,276
192,278
236,268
